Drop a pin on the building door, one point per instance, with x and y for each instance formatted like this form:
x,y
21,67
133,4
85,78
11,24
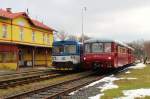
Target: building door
x,y
21,60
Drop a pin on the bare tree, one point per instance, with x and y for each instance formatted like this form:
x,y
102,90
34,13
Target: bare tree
x,y
147,48
61,35
85,38
72,37
138,46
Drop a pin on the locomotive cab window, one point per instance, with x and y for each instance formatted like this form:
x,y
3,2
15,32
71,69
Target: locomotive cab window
x,y
71,49
97,47
58,50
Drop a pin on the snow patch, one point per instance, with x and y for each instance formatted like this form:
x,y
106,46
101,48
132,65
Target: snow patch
x,y
132,94
127,72
96,97
108,84
130,78
72,93
138,66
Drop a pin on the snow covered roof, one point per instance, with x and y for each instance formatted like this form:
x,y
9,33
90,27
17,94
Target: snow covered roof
x,y
108,40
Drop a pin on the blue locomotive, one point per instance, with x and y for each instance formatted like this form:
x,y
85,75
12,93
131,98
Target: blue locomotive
x,y
67,55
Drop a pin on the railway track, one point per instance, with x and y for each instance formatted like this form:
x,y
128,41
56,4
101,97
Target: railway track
x,y
28,77
57,83
60,87
23,73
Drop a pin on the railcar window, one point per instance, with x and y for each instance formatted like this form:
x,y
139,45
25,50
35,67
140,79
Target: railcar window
x,y
71,49
97,47
107,47
87,48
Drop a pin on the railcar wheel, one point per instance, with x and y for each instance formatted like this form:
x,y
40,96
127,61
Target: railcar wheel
x,y
97,67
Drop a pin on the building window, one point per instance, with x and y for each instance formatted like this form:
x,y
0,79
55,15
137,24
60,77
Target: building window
x,y
21,33
33,36
4,29
48,40
7,57
43,37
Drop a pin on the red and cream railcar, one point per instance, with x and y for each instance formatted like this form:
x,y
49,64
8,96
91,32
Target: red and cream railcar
x,y
106,54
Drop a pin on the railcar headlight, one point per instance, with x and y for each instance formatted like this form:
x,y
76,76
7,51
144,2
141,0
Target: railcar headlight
x,y
84,58
109,57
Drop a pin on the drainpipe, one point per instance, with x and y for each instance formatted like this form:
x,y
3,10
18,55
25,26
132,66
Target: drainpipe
x,y
11,31
33,57
46,58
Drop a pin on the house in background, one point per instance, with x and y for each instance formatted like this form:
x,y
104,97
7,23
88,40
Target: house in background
x,y
24,42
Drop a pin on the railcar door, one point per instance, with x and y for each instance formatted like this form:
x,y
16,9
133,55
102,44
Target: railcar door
x,y
115,55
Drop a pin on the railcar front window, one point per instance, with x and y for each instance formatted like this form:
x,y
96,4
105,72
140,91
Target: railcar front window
x,y
70,49
107,47
87,48
97,47
58,50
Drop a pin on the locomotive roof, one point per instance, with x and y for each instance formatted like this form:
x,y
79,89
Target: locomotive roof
x,y
65,42
108,40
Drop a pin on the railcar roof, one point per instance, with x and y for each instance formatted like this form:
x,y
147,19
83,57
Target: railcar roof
x,y
108,40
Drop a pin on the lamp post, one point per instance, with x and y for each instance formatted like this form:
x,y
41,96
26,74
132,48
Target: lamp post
x,y
83,10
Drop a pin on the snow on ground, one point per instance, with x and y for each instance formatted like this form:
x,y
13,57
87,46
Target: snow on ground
x,y
107,84
96,97
130,78
138,66
127,72
132,94
72,93
105,79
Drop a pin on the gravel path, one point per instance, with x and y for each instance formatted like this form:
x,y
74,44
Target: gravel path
x,y
84,93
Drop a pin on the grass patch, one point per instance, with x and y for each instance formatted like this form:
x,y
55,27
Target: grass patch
x,y
142,81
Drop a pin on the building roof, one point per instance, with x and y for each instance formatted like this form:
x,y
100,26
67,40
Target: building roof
x,y
108,40
11,15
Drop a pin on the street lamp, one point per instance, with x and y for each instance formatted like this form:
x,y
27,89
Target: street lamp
x,y
83,10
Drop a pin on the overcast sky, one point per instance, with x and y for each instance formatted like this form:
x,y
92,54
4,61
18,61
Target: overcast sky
x,y
124,20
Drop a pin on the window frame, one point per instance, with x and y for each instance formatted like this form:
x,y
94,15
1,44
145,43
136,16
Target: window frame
x,y
4,31
21,33
48,39
33,36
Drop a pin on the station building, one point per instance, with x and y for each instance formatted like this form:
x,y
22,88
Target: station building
x,y
24,42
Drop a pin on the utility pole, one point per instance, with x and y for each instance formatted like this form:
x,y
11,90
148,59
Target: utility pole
x,y
83,10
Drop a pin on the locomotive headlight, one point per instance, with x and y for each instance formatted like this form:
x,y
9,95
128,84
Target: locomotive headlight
x,y
109,57
73,57
54,58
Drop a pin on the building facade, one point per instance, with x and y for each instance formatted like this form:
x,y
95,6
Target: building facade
x,y
24,42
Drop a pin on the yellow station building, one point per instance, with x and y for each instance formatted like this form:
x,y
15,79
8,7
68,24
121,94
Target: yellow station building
x,y
24,42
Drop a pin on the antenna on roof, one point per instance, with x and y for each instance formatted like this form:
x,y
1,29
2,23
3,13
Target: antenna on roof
x,y
36,17
27,11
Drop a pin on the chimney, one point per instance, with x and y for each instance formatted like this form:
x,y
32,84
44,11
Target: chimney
x,y
8,10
